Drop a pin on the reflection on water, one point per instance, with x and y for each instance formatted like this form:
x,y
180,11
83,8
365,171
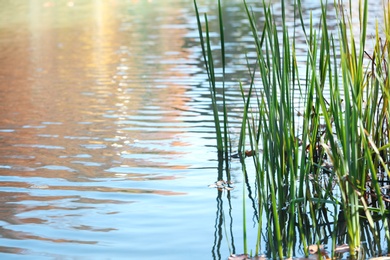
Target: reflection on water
x,y
106,132
97,136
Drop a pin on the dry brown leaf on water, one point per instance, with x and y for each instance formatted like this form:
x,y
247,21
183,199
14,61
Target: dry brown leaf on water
x,y
311,257
344,248
317,252
238,257
249,153
222,185
313,249
246,257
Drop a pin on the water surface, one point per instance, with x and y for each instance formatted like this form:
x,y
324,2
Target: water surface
x,y
106,133
106,136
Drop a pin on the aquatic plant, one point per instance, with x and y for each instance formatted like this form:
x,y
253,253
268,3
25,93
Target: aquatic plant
x,y
332,156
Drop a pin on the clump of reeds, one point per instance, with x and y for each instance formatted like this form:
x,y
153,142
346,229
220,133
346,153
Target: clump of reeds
x,y
334,155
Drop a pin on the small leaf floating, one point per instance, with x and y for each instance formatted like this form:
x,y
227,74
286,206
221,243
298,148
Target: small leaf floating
x,y
222,185
246,257
248,153
313,249
319,252
344,248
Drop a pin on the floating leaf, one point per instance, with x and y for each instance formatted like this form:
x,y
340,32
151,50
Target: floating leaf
x,y
313,249
246,257
238,257
222,185
249,153
318,252
344,248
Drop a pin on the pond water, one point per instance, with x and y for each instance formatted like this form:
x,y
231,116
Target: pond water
x,y
107,140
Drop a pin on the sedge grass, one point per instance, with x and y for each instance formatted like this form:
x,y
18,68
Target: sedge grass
x,y
337,157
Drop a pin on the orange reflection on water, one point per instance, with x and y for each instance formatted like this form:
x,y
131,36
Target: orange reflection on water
x,y
83,83
70,65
